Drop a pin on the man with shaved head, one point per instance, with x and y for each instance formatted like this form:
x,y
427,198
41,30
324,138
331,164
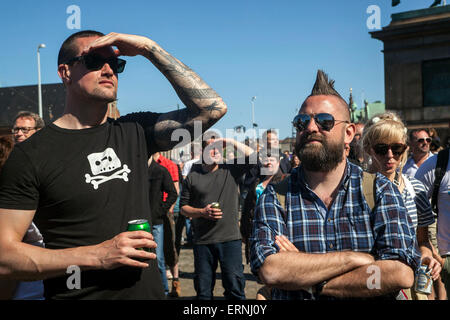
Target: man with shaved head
x,y
82,178
315,236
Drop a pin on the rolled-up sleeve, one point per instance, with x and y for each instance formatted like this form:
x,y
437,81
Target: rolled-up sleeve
x,y
395,237
268,222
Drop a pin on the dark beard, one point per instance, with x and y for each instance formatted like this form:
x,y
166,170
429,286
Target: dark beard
x,y
322,157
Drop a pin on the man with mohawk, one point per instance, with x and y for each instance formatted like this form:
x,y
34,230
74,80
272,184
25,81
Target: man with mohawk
x,y
319,234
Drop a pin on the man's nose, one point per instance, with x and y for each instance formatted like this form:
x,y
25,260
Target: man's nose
x,y
107,70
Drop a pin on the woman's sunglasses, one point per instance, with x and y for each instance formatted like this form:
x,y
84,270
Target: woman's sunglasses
x,y
396,148
96,62
324,121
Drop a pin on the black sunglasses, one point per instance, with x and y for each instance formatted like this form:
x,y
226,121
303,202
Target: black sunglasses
x,y
324,121
422,140
96,62
383,148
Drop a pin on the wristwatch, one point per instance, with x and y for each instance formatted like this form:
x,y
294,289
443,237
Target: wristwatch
x,y
317,289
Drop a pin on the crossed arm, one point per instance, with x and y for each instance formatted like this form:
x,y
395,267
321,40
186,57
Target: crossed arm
x,y
347,273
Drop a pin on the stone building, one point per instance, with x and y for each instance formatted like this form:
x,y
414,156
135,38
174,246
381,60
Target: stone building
x,y
417,67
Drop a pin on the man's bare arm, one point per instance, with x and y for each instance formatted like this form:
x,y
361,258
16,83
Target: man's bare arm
x,y
202,103
300,271
22,261
379,278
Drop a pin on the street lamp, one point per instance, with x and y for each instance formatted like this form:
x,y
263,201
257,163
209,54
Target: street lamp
x,y
39,79
253,112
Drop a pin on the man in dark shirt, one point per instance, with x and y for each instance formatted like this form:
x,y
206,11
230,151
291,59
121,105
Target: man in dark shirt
x,y
160,183
83,177
216,231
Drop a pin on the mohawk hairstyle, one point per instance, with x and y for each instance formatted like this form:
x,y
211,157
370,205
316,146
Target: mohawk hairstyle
x,y
325,87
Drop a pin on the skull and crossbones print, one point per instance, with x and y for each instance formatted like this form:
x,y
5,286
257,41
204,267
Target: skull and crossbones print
x,y
104,162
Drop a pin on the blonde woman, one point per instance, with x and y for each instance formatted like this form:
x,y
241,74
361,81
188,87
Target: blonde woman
x,y
384,142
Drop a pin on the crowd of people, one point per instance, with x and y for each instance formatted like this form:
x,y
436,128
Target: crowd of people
x,y
350,198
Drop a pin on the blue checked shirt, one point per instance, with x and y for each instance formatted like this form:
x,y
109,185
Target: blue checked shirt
x,y
386,232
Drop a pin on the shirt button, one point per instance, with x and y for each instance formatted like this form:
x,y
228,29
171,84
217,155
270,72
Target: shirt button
x,y
331,246
329,220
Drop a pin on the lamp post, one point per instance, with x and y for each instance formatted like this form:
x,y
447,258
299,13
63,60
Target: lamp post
x,y
39,79
253,112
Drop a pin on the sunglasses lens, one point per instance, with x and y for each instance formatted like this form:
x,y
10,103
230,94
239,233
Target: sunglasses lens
x,y
325,121
301,121
398,149
381,149
120,65
95,62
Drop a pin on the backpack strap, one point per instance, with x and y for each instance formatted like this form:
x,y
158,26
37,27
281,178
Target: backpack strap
x,y
281,190
368,187
439,172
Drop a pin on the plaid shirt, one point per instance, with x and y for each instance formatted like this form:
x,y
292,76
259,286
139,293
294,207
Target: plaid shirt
x,y
386,232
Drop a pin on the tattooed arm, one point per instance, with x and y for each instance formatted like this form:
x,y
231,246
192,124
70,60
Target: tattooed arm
x,y
202,102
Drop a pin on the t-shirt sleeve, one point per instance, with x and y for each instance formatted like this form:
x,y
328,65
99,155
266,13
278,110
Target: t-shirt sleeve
x,y
147,120
185,192
19,186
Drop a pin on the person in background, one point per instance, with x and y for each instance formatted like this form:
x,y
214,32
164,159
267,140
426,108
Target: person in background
x,y
384,141
295,161
170,252
356,154
419,145
270,173
270,141
216,230
420,150
25,125
160,184
427,175
435,145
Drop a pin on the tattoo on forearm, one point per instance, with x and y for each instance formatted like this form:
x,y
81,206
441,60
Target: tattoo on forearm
x,y
213,107
193,93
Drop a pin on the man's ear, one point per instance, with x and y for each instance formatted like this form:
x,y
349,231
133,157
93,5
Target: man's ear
x,y
64,73
350,131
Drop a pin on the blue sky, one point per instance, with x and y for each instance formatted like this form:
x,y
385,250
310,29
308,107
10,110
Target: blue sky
x,y
268,49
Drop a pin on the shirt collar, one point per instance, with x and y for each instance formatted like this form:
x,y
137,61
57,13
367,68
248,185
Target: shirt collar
x,y
299,180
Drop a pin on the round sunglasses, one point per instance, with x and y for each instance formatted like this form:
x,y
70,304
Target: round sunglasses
x,y
95,62
324,121
383,148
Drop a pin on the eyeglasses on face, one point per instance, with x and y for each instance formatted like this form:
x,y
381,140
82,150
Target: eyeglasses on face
x,y
24,130
95,62
324,121
422,140
383,148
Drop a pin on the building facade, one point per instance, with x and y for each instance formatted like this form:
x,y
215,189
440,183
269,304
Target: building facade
x,y
417,67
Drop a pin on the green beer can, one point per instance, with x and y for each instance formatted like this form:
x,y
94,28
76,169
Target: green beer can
x,y
139,225
215,205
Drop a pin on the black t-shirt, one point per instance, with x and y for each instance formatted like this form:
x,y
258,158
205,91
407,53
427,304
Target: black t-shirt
x,y
85,185
200,188
160,182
